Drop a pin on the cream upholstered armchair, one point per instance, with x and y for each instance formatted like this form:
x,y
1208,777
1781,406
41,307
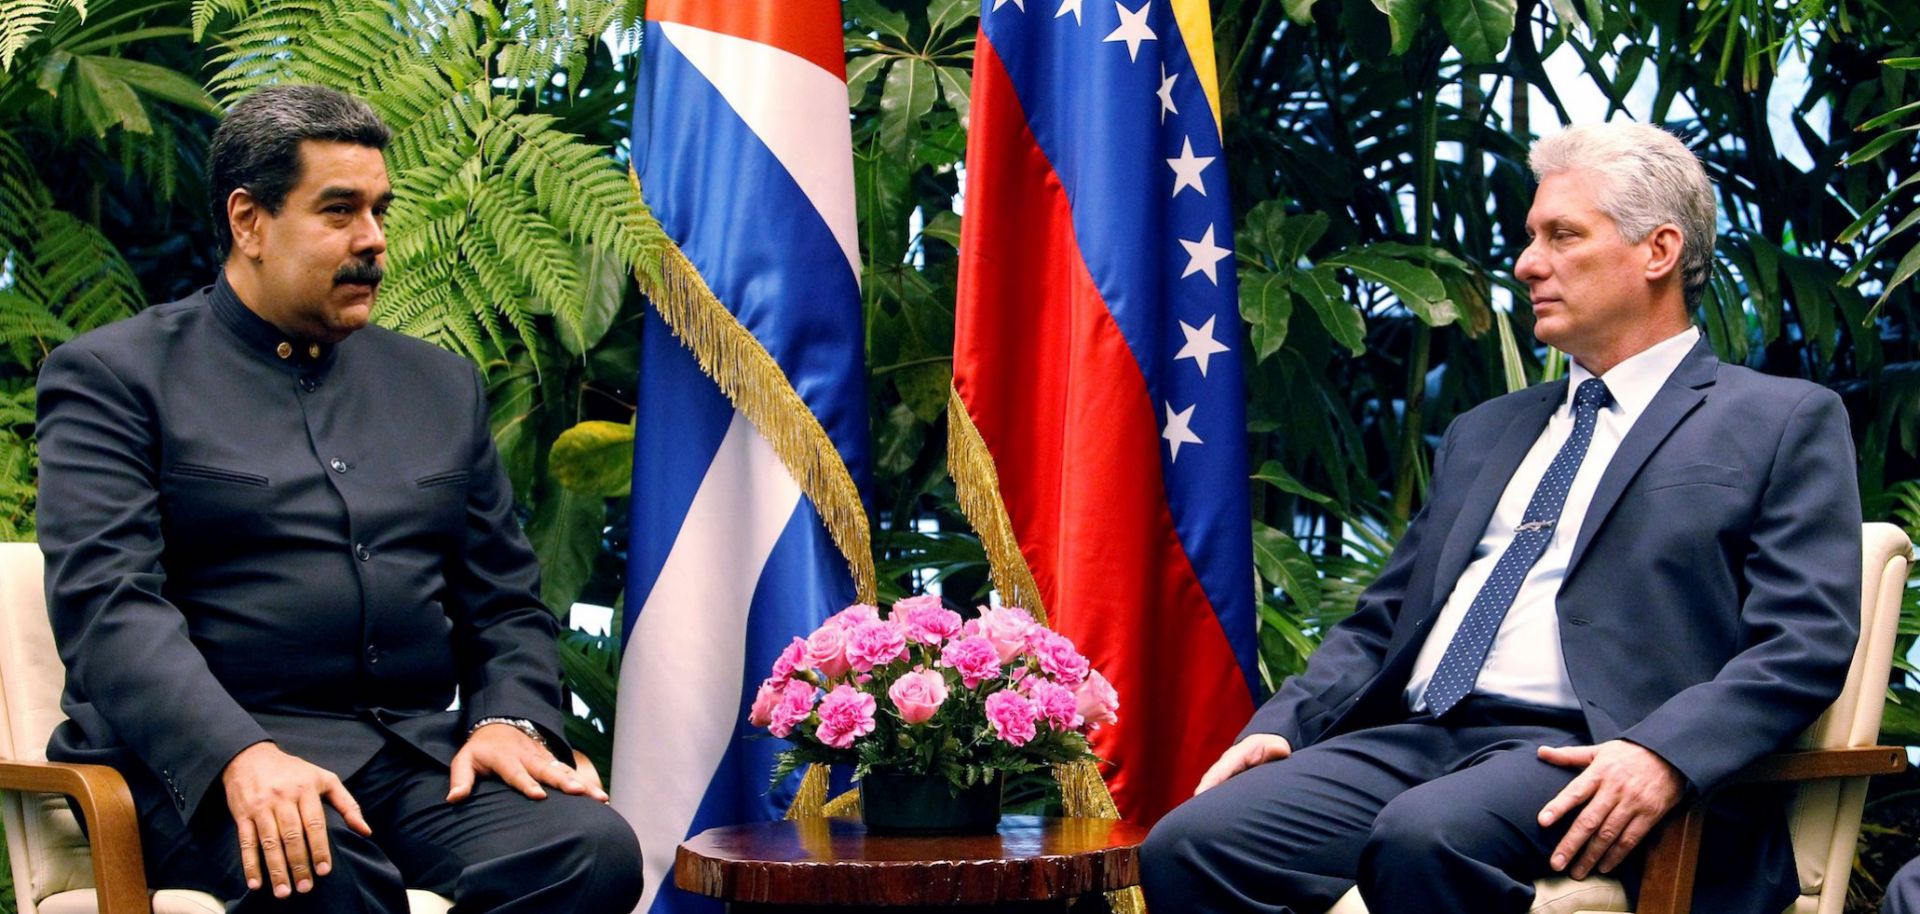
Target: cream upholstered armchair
x,y
55,869
1834,759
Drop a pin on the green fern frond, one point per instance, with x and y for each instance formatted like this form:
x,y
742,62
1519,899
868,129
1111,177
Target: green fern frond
x,y
82,274
21,21
28,329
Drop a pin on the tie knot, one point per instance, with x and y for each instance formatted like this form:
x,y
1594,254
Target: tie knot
x,y
1592,394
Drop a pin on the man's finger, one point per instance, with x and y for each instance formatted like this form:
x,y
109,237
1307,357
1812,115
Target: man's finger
x,y
249,852
1228,766
1582,828
1603,840
313,817
516,776
460,778
1569,756
1635,832
555,773
337,795
293,843
271,855
1579,791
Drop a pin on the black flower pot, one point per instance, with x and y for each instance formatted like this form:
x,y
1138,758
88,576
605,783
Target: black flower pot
x,y
923,804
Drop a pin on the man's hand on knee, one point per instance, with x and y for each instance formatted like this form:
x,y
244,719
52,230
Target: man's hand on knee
x,y
275,799
1257,749
527,766
1626,789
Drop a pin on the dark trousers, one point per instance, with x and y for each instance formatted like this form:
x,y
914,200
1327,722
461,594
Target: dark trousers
x,y
496,851
1422,815
1903,890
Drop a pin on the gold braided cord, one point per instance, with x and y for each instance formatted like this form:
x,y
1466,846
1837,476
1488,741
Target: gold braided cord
x,y
977,483
746,372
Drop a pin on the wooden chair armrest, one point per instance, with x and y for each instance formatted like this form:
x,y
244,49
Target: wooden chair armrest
x,y
1667,885
113,827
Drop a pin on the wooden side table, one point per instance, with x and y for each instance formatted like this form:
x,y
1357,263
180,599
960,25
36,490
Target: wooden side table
x,y
1030,865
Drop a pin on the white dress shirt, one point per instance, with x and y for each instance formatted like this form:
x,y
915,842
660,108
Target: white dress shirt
x,y
1525,663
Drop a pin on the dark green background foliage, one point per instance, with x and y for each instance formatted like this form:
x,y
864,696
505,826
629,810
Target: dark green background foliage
x,y
1377,158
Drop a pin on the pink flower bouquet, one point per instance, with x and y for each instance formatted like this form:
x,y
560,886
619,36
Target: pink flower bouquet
x,y
919,691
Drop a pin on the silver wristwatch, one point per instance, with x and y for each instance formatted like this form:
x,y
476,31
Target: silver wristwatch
x,y
518,723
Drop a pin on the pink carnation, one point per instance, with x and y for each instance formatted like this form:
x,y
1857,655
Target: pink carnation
x,y
1056,703
792,706
973,658
927,621
918,694
827,650
1059,659
1096,700
764,700
1012,717
872,644
1007,627
791,660
853,615
845,714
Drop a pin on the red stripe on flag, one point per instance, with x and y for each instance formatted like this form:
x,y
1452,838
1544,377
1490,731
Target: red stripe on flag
x,y
1061,403
804,28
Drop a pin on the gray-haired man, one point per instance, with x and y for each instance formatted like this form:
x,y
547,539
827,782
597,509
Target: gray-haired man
x,y
1625,587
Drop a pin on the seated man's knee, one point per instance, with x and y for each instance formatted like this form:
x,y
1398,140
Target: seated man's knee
x,y
1414,829
609,877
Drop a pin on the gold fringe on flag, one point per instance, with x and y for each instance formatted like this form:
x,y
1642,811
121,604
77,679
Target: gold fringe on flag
x,y
1083,794
812,795
977,483
746,372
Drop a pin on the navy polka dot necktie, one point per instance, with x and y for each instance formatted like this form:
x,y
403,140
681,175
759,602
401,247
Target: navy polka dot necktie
x,y
1460,665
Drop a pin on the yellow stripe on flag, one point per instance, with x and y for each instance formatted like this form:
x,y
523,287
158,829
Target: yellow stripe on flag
x,y
1196,28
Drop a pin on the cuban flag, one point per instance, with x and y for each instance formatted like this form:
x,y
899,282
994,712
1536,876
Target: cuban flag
x,y
751,453
1097,363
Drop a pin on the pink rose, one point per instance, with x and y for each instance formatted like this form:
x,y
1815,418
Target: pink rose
x,y
763,702
792,706
827,650
918,694
845,714
1058,658
927,621
1056,703
973,658
854,615
1012,717
1007,628
791,660
1096,700
872,644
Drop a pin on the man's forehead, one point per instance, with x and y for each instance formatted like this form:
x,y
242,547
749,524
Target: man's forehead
x,y
1566,195
327,166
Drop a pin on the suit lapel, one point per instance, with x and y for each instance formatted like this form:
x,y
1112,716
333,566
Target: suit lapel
x,y
1683,392
1471,523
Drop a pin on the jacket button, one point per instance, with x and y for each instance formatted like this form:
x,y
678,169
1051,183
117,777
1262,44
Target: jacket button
x,y
309,385
339,466
373,654
360,552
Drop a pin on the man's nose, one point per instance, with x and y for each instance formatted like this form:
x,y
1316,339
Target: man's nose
x,y
371,238
1530,267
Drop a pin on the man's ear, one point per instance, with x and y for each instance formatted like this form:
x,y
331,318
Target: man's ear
x,y
1663,251
247,220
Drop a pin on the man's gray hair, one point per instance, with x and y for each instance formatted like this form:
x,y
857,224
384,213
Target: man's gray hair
x,y
1648,178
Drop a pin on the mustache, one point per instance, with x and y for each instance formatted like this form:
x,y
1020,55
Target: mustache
x,y
367,272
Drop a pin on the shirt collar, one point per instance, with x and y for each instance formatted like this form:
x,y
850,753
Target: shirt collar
x,y
261,337
1634,381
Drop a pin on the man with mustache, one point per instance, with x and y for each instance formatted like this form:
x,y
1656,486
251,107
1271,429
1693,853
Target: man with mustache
x,y
1625,586
280,545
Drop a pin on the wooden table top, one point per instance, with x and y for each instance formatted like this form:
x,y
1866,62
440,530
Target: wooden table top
x,y
835,861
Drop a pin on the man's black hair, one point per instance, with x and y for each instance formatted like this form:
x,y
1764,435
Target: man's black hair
x,y
258,145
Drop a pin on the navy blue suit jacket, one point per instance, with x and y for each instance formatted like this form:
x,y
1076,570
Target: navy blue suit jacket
x,y
1709,612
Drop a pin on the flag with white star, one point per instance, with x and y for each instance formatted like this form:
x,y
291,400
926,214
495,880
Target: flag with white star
x,y
1098,360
